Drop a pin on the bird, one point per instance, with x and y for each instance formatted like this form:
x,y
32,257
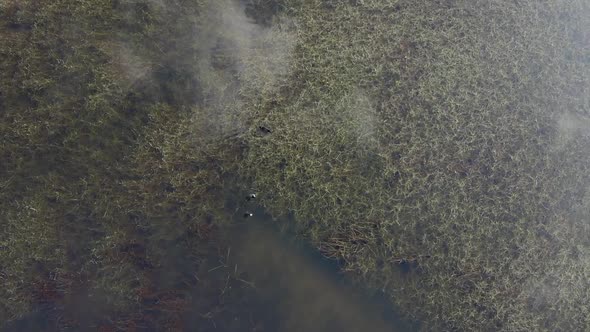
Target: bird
x,y
250,197
264,130
248,215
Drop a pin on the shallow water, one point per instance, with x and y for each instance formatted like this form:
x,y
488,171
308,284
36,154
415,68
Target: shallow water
x,y
289,285
306,289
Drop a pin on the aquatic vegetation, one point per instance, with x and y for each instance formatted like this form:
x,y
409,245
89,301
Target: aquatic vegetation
x,y
103,190
438,149
419,143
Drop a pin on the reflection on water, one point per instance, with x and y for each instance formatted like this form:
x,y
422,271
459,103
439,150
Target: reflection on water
x,y
306,290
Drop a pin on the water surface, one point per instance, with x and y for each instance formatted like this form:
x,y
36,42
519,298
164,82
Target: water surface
x,y
306,289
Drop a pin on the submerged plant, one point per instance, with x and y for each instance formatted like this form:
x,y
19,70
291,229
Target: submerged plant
x,y
437,149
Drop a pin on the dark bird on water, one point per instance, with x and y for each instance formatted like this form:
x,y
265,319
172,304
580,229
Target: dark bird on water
x,y
248,215
251,197
264,130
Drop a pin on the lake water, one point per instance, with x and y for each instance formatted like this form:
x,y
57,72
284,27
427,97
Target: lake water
x,y
289,286
307,290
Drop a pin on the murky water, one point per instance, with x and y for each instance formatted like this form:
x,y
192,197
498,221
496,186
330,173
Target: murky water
x,y
292,287
306,289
